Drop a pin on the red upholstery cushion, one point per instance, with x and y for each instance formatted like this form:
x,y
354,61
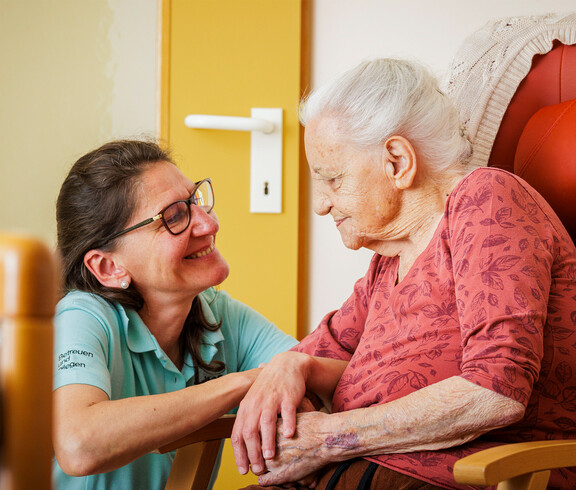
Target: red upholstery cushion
x,y
546,158
551,80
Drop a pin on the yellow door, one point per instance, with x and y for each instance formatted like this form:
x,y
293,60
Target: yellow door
x,y
225,57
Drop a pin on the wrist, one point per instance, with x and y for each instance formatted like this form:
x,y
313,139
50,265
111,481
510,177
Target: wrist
x,y
341,441
244,380
294,363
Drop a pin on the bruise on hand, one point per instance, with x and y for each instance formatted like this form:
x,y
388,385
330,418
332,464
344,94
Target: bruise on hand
x,y
347,440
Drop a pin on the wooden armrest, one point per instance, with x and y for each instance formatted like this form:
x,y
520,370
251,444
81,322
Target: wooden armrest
x,y
219,429
501,463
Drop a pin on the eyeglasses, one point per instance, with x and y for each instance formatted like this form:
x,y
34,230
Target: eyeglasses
x,y
176,217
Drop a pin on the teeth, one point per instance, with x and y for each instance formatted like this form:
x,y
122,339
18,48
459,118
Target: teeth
x,y
203,253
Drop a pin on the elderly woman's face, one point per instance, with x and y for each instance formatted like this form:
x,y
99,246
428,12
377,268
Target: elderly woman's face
x,y
351,185
160,263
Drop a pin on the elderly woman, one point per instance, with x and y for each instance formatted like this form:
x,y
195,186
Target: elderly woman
x,y
461,333
146,349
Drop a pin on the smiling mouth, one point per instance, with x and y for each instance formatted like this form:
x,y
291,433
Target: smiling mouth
x,y
207,251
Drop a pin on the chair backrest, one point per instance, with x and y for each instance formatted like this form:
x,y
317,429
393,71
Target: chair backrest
x,y
197,454
537,136
27,300
536,140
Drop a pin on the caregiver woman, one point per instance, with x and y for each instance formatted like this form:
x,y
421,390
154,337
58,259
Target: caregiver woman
x,y
146,349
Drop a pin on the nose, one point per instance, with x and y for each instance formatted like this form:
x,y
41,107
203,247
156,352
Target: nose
x,y
321,202
203,223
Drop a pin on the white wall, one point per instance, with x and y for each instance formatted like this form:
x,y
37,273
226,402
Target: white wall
x,y
347,31
74,74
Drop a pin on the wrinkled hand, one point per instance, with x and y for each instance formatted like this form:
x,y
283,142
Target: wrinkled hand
x,y
299,458
278,390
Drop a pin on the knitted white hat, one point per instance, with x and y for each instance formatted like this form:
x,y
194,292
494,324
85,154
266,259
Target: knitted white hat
x,y
491,64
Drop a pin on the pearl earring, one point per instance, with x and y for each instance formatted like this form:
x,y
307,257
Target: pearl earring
x,y
124,284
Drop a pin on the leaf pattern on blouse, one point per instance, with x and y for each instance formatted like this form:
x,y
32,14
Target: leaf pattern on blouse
x,y
491,299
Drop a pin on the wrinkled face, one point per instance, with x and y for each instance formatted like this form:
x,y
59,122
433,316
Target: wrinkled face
x,y
160,263
351,185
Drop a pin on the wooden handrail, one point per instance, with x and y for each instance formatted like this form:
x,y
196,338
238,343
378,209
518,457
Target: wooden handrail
x,y
220,428
501,463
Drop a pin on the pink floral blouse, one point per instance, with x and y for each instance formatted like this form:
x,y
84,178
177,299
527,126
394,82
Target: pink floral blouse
x,y
492,299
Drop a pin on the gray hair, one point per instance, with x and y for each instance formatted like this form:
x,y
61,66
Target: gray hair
x,y
385,97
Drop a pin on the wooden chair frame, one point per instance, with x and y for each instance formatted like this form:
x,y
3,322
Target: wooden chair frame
x,y
196,455
521,466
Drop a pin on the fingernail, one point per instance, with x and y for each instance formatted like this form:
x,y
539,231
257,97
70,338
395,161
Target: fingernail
x,y
256,468
242,470
268,454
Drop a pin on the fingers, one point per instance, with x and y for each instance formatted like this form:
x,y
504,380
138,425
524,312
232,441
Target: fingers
x,y
245,437
268,427
288,414
253,439
284,474
240,454
273,393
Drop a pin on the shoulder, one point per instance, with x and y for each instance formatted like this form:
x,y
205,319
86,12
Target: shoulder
x,y
80,303
80,300
489,187
480,177
235,318
485,181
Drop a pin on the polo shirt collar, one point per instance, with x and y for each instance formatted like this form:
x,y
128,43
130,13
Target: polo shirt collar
x,y
209,338
140,339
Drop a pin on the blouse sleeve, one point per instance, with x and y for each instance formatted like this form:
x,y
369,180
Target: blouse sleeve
x,y
502,246
339,332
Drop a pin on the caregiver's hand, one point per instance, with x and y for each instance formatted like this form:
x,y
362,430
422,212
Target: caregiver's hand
x,y
278,390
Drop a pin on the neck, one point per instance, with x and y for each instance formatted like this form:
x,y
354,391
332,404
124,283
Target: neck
x,y
422,210
166,324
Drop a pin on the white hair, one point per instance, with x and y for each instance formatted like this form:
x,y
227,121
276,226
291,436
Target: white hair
x,y
385,97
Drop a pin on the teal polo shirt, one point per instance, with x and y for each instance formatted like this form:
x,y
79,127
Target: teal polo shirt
x,y
105,345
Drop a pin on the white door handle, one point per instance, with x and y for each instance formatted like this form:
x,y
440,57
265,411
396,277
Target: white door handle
x,y
205,121
266,128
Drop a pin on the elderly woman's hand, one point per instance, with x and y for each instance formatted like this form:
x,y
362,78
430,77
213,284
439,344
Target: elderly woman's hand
x,y
298,458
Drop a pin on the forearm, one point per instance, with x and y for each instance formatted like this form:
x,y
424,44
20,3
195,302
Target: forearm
x,y
439,416
99,437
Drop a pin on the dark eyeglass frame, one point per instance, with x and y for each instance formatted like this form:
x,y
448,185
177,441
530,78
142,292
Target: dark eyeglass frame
x,y
160,216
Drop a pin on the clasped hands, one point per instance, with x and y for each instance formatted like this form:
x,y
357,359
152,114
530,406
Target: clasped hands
x,y
285,449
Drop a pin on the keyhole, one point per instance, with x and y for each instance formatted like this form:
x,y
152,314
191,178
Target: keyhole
x,y
265,188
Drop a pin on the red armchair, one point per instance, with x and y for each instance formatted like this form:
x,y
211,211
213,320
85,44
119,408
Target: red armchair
x,y
537,141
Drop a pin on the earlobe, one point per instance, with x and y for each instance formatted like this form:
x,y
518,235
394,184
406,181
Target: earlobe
x,y
402,159
104,268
